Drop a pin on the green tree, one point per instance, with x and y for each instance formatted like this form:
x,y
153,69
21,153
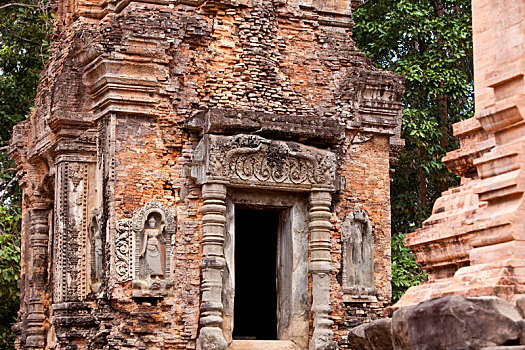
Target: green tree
x,y
24,31
429,42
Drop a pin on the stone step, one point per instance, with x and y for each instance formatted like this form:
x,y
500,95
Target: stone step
x,y
263,345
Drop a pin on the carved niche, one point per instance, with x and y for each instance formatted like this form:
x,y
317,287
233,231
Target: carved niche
x,y
96,250
154,231
251,160
358,257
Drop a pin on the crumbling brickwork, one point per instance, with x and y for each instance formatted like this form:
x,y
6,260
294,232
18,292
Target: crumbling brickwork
x,y
153,121
472,245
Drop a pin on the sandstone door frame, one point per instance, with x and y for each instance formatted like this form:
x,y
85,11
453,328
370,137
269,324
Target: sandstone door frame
x,y
292,261
253,162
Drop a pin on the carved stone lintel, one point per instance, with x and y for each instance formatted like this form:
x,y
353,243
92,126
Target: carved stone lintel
x,y
213,263
309,129
320,269
358,257
253,161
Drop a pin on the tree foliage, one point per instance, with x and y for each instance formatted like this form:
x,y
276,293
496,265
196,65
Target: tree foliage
x,y
24,31
429,42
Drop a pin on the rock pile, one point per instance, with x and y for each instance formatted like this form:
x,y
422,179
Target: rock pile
x,y
451,322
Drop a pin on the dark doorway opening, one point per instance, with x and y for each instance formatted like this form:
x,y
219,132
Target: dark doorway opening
x,y
255,303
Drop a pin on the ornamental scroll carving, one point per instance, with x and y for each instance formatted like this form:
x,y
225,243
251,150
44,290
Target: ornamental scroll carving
x,y
252,160
124,250
153,230
358,257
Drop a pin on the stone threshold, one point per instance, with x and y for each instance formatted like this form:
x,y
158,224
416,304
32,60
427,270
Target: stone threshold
x,y
262,345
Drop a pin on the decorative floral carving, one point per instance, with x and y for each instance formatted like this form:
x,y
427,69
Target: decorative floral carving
x,y
254,160
123,250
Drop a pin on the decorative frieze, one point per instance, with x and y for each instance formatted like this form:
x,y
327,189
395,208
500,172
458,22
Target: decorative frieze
x,y
253,161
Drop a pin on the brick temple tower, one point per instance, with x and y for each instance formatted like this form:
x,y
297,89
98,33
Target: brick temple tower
x,y
203,174
474,242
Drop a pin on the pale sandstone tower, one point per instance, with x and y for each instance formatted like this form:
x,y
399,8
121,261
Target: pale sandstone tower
x,y
474,242
205,174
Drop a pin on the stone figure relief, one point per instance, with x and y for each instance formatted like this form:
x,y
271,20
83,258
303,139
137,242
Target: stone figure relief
x,y
358,257
153,249
96,250
154,229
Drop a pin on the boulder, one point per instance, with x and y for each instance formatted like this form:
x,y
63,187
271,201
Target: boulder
x,y
375,335
499,305
357,338
453,322
520,304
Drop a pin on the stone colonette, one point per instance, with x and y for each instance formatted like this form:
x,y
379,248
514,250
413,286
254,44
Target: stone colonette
x,y
474,242
155,123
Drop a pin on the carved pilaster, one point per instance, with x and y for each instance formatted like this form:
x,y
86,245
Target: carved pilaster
x,y
320,269
78,237
39,235
72,231
213,263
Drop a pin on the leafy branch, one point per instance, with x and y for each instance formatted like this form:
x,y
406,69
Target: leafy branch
x,y
18,4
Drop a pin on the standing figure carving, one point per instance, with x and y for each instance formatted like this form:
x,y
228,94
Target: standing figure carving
x,y
97,250
153,248
358,254
154,228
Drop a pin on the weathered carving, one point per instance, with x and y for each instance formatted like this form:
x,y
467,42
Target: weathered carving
x,y
96,249
153,249
72,233
154,227
213,264
124,250
252,160
320,269
39,235
309,129
358,256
